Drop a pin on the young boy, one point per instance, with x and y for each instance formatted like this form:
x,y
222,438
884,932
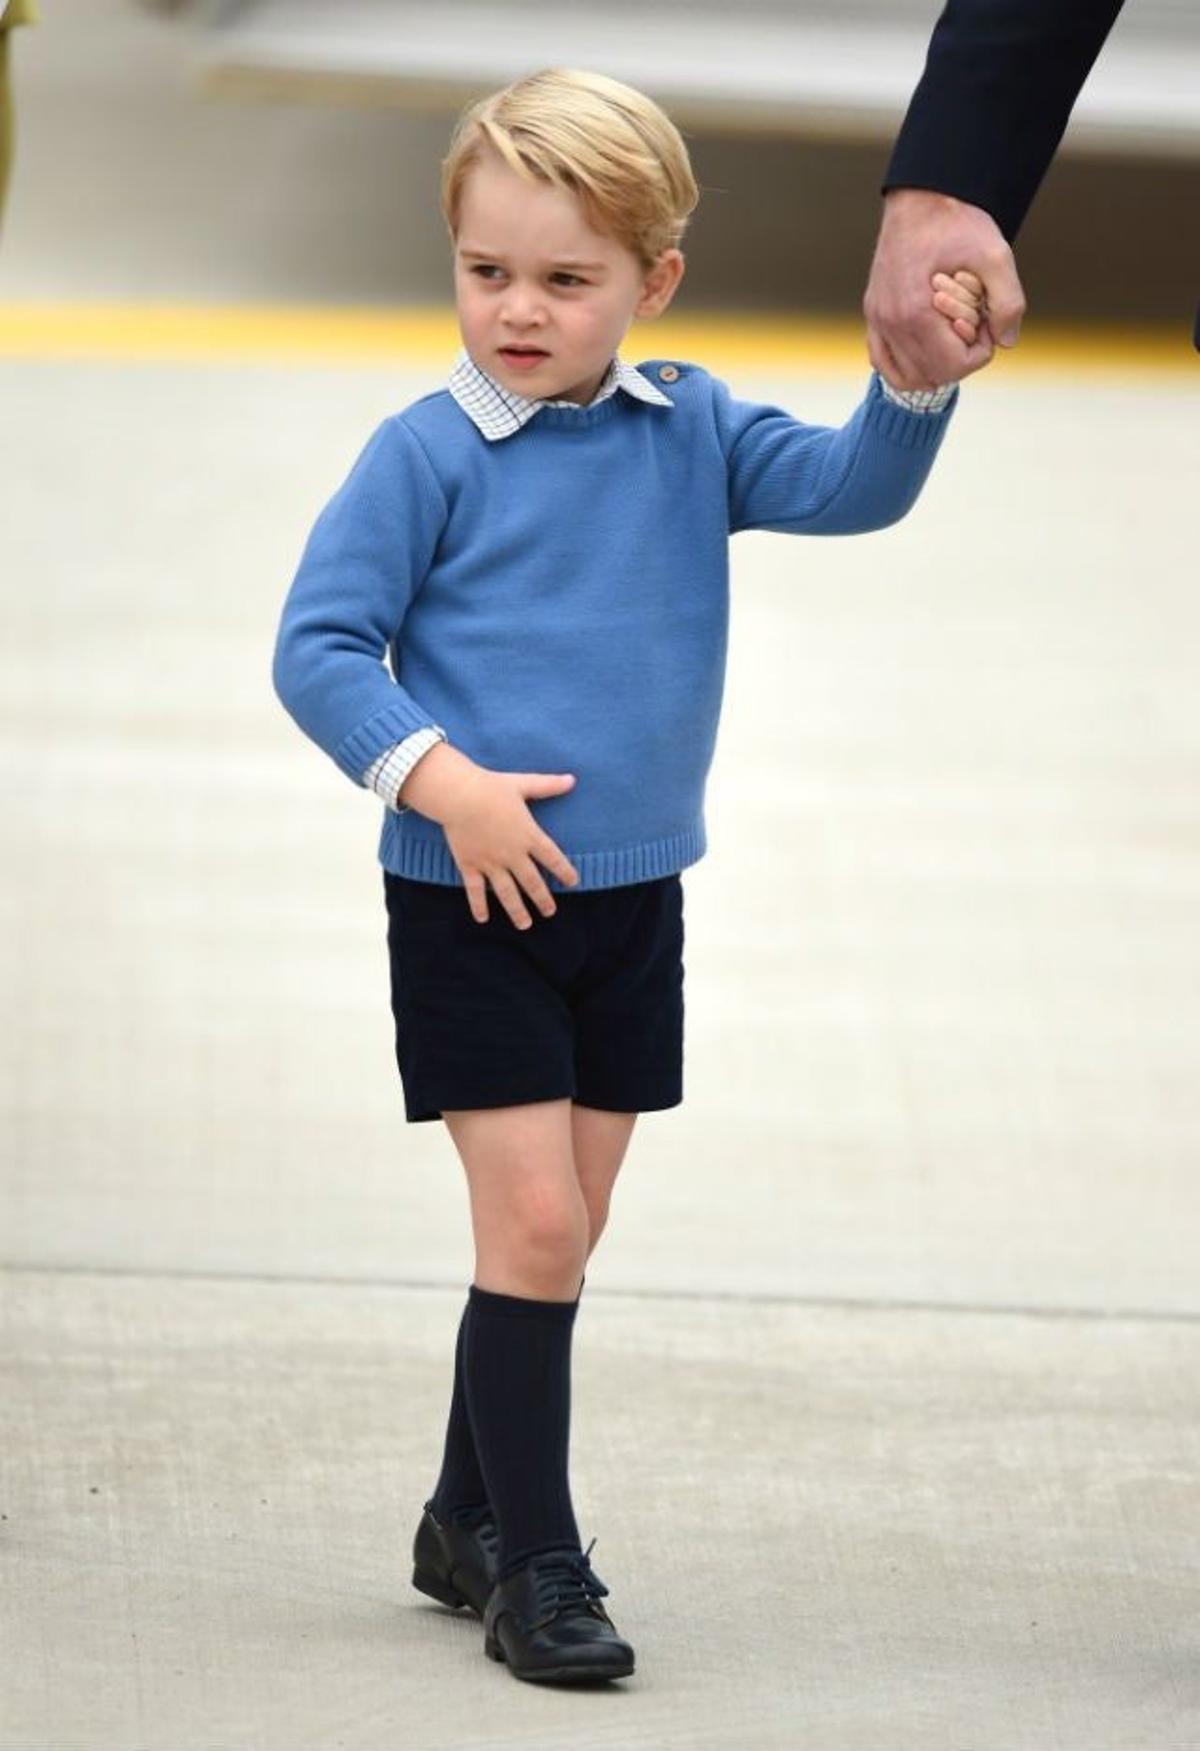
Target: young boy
x,y
541,548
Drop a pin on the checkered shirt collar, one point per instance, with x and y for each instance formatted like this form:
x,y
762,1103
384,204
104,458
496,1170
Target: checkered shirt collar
x,y
499,412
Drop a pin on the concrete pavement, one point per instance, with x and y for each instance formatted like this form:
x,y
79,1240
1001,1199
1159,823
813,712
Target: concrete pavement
x,y
886,1404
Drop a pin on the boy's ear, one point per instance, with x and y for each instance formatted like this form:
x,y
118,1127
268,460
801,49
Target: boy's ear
x,y
661,283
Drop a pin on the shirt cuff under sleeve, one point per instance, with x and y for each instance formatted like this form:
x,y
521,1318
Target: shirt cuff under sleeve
x,y
919,400
386,774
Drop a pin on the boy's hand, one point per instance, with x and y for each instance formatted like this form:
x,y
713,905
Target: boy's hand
x,y
492,834
961,300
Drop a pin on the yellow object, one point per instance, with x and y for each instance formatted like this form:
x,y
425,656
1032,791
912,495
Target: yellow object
x,y
17,12
429,336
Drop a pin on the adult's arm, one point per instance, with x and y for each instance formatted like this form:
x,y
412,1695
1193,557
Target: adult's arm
x,y
989,111
1000,80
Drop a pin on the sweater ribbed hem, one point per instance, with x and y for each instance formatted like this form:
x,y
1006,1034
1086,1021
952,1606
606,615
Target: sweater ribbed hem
x,y
404,850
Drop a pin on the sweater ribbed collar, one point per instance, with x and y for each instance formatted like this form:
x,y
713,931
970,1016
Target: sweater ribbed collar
x,y
499,412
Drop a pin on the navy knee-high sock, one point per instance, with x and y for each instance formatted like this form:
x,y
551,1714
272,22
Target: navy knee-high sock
x,y
518,1388
460,1487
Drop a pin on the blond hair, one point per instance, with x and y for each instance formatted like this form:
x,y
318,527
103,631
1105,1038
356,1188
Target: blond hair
x,y
611,146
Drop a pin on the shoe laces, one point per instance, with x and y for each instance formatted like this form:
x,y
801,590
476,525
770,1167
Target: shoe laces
x,y
565,1580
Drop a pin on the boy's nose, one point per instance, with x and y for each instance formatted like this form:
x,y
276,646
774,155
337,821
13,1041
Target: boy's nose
x,y
521,311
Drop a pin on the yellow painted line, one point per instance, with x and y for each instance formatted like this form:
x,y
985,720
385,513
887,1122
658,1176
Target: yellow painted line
x,y
429,336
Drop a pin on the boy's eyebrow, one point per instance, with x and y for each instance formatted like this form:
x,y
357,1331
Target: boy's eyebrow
x,y
565,261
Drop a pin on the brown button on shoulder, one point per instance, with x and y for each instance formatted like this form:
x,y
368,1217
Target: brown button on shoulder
x,y
668,373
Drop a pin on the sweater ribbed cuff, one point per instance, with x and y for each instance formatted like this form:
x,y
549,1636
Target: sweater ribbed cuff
x,y
902,426
355,752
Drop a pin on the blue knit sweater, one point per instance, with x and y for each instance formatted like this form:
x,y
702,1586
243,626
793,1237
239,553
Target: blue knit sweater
x,y
559,602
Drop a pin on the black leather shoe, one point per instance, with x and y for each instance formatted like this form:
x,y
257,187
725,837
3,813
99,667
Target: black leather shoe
x,y
547,1622
455,1561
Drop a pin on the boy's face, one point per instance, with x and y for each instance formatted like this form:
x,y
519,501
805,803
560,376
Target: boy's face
x,y
530,272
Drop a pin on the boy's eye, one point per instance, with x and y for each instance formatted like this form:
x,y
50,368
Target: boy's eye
x,y
486,268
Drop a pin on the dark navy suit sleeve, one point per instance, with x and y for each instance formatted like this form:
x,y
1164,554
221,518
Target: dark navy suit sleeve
x,y
999,84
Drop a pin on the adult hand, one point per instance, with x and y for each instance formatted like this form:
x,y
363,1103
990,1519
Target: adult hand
x,y
922,233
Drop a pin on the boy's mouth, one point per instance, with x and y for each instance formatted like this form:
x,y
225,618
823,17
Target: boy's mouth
x,y
523,355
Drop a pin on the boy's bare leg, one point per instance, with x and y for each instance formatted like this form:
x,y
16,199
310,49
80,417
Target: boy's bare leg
x,y
523,1210
599,1141
528,1212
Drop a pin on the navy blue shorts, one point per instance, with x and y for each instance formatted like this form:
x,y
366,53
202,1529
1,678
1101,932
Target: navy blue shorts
x,y
586,1005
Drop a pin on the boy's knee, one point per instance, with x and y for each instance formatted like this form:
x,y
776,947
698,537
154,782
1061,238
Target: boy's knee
x,y
553,1225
